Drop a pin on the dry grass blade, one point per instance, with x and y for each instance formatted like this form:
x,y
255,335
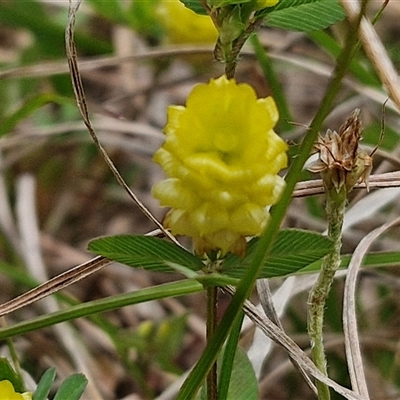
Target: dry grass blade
x,y
280,337
50,68
55,284
59,282
375,51
354,359
377,181
81,103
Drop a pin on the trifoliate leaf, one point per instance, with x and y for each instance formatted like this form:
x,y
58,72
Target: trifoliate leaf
x,y
304,15
293,250
145,251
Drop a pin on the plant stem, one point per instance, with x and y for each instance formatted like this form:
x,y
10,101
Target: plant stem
x,y
335,207
231,59
212,307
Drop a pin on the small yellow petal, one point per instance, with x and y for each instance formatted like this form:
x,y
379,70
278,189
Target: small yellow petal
x,y
268,189
249,219
171,193
179,222
208,219
269,104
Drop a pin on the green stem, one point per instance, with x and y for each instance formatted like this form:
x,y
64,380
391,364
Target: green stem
x,y
231,58
212,308
335,207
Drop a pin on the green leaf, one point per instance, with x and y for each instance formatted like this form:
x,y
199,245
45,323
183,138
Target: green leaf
x,y
144,251
43,388
293,250
304,15
195,5
227,363
72,388
243,384
7,373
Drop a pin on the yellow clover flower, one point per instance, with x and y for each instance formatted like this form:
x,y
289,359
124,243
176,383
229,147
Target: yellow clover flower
x,y
7,392
183,25
222,157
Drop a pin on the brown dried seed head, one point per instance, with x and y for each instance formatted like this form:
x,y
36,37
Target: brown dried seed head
x,y
340,160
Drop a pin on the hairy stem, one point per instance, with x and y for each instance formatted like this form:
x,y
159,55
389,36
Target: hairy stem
x,y
231,59
335,207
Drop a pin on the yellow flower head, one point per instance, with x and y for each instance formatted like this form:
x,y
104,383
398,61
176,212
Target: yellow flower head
x,y
7,392
183,25
222,157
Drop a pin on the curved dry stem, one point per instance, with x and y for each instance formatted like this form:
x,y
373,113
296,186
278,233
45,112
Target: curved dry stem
x,y
352,342
82,106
